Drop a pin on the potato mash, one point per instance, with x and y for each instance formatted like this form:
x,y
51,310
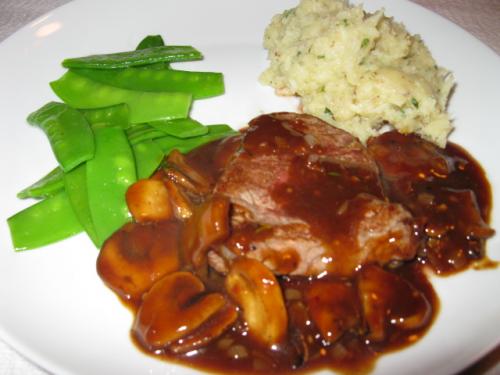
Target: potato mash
x,y
357,71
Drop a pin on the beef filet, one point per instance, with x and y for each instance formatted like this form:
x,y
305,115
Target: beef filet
x,y
307,198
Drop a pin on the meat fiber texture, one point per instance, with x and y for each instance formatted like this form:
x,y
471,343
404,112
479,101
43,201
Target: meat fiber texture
x,y
357,224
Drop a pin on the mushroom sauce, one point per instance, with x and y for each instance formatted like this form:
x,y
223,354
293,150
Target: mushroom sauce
x,y
251,320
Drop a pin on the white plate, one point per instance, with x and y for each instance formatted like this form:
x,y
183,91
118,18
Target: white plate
x,y
54,308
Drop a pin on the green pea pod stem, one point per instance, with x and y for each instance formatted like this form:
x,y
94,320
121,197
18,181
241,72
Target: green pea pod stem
x,y
116,115
199,84
140,57
68,131
43,223
180,128
169,143
143,132
75,183
148,157
82,93
45,187
151,41
109,174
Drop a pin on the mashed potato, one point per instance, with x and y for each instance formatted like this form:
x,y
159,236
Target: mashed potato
x,y
357,71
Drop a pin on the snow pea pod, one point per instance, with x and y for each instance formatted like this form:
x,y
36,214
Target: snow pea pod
x,y
47,186
68,131
43,223
116,115
75,184
109,174
169,143
148,157
140,57
199,84
151,41
143,132
180,128
80,92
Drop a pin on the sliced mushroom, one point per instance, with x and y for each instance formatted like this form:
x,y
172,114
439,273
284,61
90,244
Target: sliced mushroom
x,y
390,302
334,307
189,177
255,289
181,205
208,225
207,332
137,255
174,308
148,201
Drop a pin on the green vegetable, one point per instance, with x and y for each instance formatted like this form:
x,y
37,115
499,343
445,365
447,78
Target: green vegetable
x,y
414,102
148,157
199,84
47,186
169,143
80,92
75,183
365,42
148,42
140,57
43,223
143,132
68,132
109,174
180,128
116,115
151,41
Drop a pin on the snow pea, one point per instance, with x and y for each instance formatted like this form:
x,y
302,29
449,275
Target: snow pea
x,y
68,131
152,41
148,157
143,132
169,143
110,116
75,184
46,186
43,223
140,57
109,174
180,128
80,92
199,84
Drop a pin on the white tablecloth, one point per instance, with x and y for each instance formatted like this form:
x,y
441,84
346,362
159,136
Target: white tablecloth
x,y
480,17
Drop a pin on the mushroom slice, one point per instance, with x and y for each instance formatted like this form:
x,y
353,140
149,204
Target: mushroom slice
x,y
180,203
191,178
173,308
208,226
210,330
390,302
148,201
255,289
334,307
137,255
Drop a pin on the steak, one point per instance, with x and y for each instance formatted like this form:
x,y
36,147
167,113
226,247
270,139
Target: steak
x,y
307,198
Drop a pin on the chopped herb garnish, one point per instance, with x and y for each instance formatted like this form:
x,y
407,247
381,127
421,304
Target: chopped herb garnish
x,y
328,111
414,102
287,12
345,22
321,56
334,174
365,42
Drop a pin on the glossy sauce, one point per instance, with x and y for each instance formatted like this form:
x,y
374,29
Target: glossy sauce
x,y
341,335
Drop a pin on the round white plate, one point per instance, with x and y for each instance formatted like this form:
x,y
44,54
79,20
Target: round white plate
x,y
54,308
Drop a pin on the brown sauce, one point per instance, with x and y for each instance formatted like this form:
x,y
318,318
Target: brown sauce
x,y
332,322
